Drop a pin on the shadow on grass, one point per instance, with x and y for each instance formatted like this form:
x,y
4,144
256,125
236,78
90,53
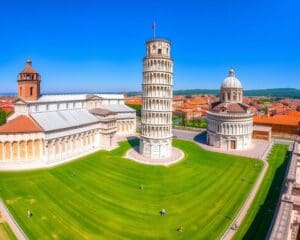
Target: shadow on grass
x,y
133,141
262,221
201,137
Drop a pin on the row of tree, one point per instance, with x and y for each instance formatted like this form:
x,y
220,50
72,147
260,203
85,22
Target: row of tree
x,y
273,92
182,121
3,116
177,120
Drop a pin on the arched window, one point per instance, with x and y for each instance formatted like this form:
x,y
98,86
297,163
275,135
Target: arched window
x,y
31,91
234,96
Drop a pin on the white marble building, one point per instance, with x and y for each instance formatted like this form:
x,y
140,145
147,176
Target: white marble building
x,y
230,122
157,93
286,223
52,128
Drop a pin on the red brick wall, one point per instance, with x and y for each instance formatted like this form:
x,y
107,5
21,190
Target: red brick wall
x,y
25,92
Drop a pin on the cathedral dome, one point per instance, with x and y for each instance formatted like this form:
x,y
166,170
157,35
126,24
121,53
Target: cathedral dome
x,y
231,81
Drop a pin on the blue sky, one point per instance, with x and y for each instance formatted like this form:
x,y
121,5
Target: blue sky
x,y
99,45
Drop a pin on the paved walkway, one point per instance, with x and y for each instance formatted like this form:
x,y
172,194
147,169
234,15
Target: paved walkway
x,y
256,150
5,216
134,155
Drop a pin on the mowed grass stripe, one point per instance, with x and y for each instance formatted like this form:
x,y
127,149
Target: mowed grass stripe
x,y
98,196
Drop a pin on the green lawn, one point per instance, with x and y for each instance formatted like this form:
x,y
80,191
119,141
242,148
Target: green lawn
x,y
5,232
99,196
259,217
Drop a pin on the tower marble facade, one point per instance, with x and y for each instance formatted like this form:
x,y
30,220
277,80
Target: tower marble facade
x,y
157,94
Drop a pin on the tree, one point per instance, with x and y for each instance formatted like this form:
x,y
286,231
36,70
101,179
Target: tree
x,y
2,117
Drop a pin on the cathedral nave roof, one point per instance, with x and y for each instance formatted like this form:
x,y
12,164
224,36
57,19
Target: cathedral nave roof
x,y
55,120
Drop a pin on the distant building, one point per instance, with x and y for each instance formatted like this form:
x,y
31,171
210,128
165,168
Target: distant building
x,y
51,128
284,125
7,104
293,104
133,100
193,107
230,123
277,109
262,132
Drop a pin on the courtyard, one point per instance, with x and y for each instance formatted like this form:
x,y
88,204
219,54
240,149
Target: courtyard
x,y
104,196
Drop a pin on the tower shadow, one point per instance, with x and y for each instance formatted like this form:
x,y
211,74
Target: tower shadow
x,y
134,142
201,137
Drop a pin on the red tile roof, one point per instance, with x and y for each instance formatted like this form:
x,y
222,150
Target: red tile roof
x,y
290,119
28,68
231,107
21,124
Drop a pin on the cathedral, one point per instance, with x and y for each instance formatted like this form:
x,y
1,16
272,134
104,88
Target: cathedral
x,y
52,128
230,122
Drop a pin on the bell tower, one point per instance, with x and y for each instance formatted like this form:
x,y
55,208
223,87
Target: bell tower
x,y
29,82
157,95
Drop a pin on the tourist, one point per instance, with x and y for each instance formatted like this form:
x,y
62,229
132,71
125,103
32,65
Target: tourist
x,y
163,212
29,213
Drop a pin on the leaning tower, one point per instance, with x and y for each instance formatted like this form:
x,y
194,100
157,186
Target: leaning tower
x,y
157,93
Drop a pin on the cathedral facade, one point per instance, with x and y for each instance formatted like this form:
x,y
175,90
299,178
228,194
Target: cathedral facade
x,y
230,122
51,128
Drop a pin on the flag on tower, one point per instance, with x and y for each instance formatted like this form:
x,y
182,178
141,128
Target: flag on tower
x,y
154,28
153,25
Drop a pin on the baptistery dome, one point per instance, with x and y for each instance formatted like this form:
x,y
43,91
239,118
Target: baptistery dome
x,y
231,81
231,89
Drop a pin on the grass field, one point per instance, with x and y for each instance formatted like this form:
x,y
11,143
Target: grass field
x,y
99,196
5,232
259,217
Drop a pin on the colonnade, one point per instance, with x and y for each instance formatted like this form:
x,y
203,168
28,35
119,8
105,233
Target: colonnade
x,y
157,118
232,95
21,150
158,78
157,131
125,127
230,128
68,146
158,65
157,104
157,91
